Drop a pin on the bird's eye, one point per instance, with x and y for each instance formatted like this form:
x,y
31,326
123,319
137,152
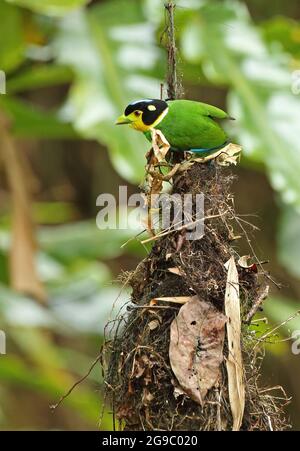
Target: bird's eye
x,y
137,113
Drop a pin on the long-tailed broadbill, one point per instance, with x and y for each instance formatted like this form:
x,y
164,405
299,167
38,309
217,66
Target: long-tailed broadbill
x,y
187,125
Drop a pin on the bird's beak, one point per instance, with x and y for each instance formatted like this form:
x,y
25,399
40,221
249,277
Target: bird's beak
x,y
122,120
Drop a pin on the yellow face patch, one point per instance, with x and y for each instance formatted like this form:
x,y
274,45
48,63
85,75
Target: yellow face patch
x,y
137,121
151,108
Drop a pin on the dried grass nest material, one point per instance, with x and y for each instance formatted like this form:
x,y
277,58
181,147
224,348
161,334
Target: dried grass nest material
x,y
140,384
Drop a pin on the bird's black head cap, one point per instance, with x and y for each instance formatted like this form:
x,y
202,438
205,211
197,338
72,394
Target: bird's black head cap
x,y
151,109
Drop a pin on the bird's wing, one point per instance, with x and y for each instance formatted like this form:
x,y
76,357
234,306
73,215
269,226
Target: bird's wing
x,y
212,111
193,107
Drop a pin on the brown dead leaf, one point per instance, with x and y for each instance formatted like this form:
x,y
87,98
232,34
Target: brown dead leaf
x,y
160,144
243,262
153,324
147,397
177,389
196,347
229,155
126,412
234,362
139,369
174,299
147,379
153,302
130,388
176,271
23,272
226,264
142,368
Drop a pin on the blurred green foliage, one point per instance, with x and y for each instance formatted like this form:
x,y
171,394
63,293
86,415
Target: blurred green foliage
x,y
71,69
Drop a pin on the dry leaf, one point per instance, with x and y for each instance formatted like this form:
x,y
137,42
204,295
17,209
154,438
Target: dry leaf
x,y
174,299
226,156
227,264
147,379
177,390
229,155
141,367
243,263
234,362
176,271
147,397
23,273
138,369
153,324
196,347
160,144
126,412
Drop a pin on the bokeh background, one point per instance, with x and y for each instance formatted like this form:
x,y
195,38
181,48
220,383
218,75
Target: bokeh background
x,y
71,67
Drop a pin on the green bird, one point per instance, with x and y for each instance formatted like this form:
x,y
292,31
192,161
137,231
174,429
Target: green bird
x,y
186,124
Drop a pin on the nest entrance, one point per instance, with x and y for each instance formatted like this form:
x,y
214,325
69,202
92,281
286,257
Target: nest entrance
x,y
140,383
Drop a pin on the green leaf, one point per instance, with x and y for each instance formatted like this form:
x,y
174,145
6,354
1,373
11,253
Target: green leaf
x,y
52,385
86,309
260,97
280,309
50,7
289,240
283,33
20,310
109,75
85,240
39,76
11,42
53,212
4,270
29,122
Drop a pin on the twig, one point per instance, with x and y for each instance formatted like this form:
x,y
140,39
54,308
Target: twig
x,y
54,406
261,296
267,334
172,230
172,81
254,254
134,307
161,91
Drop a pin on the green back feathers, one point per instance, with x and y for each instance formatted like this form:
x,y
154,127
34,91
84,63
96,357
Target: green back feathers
x,y
192,125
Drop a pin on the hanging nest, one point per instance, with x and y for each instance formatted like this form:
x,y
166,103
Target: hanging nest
x,y
142,348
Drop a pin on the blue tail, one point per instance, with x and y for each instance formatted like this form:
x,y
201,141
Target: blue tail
x,y
203,151
209,150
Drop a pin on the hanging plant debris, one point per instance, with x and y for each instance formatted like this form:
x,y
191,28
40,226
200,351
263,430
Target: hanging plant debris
x,y
170,364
